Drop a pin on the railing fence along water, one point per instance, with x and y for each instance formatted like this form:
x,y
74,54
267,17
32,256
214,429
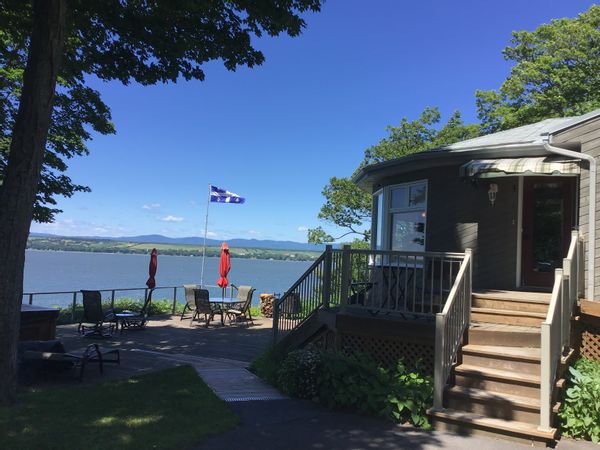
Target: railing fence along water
x,y
391,283
76,295
556,329
450,326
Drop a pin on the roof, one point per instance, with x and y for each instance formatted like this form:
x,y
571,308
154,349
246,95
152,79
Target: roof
x,y
524,141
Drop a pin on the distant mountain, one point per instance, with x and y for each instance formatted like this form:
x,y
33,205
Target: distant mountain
x,y
194,240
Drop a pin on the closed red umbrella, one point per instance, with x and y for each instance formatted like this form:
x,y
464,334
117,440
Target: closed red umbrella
x,y
224,267
151,283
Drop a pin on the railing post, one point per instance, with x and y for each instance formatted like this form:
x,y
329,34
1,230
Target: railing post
x,y
275,319
581,265
73,306
438,371
469,293
174,300
546,377
31,299
327,276
346,273
112,299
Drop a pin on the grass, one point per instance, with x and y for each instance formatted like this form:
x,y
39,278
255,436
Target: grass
x,y
169,409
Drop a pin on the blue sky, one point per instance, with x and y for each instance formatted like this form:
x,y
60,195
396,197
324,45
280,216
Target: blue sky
x,y
275,134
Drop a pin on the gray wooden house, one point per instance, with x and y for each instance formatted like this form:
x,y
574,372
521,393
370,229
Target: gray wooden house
x,y
480,251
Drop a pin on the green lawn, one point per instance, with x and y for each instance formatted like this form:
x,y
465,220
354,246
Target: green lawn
x,y
170,409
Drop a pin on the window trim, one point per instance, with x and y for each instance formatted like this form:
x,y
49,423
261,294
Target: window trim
x,y
386,220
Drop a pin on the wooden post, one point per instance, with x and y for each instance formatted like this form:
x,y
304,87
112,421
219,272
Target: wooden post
x,y
275,319
327,276
346,273
73,306
174,300
112,300
546,378
438,371
30,299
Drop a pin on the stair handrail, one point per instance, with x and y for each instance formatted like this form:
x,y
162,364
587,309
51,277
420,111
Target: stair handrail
x,y
450,326
323,260
556,328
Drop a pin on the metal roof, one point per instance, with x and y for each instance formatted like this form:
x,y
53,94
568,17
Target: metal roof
x,y
522,141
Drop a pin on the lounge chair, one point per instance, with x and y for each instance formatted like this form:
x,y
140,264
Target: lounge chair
x,y
241,310
95,321
202,306
190,300
38,356
135,320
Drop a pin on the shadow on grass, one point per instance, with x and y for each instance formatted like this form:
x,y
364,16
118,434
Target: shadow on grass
x,y
168,409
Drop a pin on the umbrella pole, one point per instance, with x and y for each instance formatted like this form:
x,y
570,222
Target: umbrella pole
x,y
205,232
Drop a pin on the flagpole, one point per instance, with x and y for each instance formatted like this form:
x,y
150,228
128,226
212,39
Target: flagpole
x,y
205,233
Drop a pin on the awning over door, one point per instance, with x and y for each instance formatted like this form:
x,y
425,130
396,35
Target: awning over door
x,y
545,166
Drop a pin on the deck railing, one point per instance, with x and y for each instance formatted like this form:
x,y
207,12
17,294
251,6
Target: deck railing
x,y
450,326
390,283
73,297
556,329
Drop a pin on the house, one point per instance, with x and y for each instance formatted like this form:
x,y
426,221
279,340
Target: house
x,y
480,253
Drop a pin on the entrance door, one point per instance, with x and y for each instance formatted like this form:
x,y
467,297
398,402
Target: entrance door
x,y
548,218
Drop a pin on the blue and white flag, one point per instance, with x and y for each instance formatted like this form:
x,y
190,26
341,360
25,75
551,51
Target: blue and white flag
x,y
222,196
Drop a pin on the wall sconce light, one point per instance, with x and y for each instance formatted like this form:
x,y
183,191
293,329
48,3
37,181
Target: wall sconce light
x,y
492,192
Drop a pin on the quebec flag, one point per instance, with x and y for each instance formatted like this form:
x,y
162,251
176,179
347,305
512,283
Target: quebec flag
x,y
219,195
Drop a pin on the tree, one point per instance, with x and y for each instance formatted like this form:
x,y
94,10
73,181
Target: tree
x,y
556,74
349,207
64,41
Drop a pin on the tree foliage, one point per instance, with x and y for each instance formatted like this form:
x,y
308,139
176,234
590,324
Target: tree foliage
x,y
556,73
144,42
349,207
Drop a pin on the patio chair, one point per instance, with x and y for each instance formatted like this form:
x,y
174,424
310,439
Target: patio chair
x,y
190,301
241,310
95,322
135,320
202,306
38,356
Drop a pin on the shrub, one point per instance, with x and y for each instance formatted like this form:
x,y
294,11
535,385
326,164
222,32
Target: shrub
x,y
266,366
157,307
299,372
581,411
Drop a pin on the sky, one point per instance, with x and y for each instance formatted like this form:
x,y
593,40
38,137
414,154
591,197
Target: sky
x,y
276,133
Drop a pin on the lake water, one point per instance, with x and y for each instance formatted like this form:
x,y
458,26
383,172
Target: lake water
x,y
47,271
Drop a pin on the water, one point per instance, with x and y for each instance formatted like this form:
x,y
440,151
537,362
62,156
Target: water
x,y
47,271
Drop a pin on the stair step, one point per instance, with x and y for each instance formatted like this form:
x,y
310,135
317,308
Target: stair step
x,y
502,427
518,353
481,395
497,374
507,316
483,333
516,301
514,359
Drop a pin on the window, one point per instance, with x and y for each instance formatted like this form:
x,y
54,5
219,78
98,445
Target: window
x,y
401,217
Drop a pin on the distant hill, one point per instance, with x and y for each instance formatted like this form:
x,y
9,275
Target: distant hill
x,y
194,240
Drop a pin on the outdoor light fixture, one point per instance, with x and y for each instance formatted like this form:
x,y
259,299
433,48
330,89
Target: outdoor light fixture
x,y
492,192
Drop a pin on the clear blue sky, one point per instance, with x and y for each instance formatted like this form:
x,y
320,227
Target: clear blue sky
x,y
275,134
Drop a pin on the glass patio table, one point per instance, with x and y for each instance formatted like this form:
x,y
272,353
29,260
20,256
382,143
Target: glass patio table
x,y
220,305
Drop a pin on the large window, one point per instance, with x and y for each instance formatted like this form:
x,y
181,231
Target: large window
x,y
401,217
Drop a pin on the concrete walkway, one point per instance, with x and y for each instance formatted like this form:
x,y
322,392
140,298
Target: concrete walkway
x,y
296,424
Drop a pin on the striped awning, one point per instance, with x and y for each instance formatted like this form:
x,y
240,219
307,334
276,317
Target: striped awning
x,y
545,165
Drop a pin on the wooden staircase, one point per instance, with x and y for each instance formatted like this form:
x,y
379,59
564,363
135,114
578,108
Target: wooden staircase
x,y
495,385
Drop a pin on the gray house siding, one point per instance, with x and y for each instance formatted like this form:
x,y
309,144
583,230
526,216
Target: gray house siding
x,y
459,216
588,136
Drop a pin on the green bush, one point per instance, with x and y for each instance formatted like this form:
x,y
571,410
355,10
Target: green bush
x,y
299,372
580,413
353,383
266,366
157,307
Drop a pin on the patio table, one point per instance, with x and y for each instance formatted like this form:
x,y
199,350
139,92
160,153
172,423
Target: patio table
x,y
220,305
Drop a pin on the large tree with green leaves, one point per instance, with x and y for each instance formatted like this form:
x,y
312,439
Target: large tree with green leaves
x,y
50,48
348,207
556,73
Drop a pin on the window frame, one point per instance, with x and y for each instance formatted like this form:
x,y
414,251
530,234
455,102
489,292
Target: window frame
x,y
388,211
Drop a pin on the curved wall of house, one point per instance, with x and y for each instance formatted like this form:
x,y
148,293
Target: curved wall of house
x,y
460,216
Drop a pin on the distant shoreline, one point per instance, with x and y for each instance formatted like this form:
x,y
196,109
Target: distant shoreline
x,y
59,244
